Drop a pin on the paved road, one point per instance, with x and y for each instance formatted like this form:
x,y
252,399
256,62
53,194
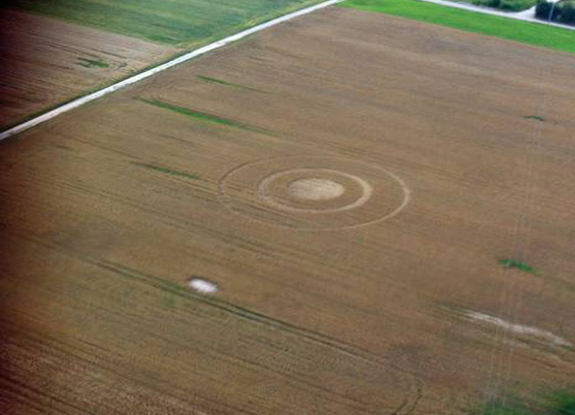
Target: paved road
x,y
527,15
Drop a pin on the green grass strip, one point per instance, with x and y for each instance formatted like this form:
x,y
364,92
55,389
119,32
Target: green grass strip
x,y
226,83
167,170
511,263
214,119
524,32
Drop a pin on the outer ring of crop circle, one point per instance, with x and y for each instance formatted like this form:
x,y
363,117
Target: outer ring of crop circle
x,y
224,198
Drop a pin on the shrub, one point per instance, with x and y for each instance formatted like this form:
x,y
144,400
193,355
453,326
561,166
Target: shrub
x,y
567,13
508,5
543,9
563,12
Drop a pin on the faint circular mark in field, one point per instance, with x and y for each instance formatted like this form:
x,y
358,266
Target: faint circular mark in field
x,y
313,192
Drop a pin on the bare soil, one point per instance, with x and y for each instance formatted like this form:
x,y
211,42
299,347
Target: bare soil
x,y
110,210
46,61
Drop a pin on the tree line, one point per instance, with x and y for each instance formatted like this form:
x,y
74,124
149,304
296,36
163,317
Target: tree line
x,y
563,12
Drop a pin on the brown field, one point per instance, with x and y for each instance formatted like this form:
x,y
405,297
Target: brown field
x,y
46,61
329,303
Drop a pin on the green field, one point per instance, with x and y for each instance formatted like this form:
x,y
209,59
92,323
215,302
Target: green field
x,y
173,22
525,32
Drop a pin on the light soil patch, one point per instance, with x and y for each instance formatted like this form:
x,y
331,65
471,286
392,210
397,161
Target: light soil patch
x,y
46,61
315,189
108,210
203,286
519,328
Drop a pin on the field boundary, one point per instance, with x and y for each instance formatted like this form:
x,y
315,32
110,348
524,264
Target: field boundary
x,y
162,67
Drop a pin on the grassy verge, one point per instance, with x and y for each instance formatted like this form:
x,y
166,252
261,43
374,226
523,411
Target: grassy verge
x,y
524,32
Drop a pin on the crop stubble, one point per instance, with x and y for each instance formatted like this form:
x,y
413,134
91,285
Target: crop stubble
x,y
102,240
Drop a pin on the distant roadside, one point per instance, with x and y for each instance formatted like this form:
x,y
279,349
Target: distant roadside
x,y
472,21
562,12
505,5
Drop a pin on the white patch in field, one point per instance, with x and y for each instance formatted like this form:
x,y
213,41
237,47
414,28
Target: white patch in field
x,y
315,189
311,190
518,328
203,286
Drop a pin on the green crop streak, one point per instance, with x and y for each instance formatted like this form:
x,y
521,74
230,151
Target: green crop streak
x,y
92,63
525,32
166,170
202,116
535,117
511,263
226,83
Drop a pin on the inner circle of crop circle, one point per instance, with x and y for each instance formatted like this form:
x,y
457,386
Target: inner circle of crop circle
x,y
265,194
315,189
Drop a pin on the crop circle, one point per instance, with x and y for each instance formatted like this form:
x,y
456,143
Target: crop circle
x,y
313,192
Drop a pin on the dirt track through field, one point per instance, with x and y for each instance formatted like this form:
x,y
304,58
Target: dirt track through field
x,y
113,208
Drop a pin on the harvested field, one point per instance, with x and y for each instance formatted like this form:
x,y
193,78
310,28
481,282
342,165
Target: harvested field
x,y
46,61
395,296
